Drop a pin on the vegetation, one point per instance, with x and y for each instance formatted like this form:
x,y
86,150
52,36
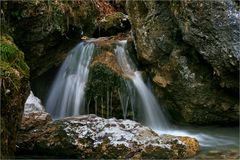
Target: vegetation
x,y
12,65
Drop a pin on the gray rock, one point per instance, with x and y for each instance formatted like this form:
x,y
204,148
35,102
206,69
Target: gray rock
x,y
191,49
89,136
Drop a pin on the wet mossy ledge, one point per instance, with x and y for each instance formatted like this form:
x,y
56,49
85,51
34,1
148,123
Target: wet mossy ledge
x,y
14,76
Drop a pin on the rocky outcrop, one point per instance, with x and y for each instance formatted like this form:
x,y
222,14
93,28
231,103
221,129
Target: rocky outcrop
x,y
14,76
107,82
112,24
191,50
34,114
39,27
90,136
214,33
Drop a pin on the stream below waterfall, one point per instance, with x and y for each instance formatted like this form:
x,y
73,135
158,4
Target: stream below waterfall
x,y
68,91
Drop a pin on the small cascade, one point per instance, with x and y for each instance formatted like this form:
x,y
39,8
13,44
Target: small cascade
x,y
67,93
152,113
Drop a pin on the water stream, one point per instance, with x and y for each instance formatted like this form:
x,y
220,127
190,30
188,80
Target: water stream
x,y
67,94
153,115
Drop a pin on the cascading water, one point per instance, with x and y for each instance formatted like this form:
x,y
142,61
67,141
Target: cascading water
x,y
67,93
66,97
153,115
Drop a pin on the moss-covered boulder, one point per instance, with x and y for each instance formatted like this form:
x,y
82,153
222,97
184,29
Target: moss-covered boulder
x,y
191,50
92,137
104,86
107,84
14,76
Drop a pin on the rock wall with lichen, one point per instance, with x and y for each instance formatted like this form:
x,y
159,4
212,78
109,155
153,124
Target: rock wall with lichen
x,y
191,49
14,76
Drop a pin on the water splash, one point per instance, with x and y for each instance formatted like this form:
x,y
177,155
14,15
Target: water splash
x,y
67,94
153,115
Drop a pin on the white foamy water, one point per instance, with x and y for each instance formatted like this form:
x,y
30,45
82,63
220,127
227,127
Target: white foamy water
x,y
67,93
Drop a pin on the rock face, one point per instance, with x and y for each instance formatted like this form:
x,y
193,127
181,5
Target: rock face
x,y
191,50
42,26
14,76
112,24
51,28
90,136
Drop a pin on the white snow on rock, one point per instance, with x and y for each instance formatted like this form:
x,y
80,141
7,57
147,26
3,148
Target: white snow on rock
x,y
33,104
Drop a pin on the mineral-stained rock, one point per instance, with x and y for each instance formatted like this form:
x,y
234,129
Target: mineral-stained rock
x,y
14,76
191,50
89,136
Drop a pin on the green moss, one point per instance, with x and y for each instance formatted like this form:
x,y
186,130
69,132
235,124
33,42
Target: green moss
x,y
12,65
9,53
7,73
102,79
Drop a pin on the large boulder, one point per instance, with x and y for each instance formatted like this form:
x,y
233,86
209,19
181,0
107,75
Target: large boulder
x,y
89,136
191,50
14,76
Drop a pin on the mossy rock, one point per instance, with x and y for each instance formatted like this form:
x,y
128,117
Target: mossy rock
x,y
113,24
14,75
105,85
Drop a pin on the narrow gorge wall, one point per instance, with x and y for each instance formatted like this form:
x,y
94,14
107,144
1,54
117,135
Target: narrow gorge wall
x,y
191,50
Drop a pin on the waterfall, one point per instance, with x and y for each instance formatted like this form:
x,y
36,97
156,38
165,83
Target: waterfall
x,y
66,97
67,93
152,113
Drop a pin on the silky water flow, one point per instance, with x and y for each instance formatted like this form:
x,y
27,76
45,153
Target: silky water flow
x,y
67,93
